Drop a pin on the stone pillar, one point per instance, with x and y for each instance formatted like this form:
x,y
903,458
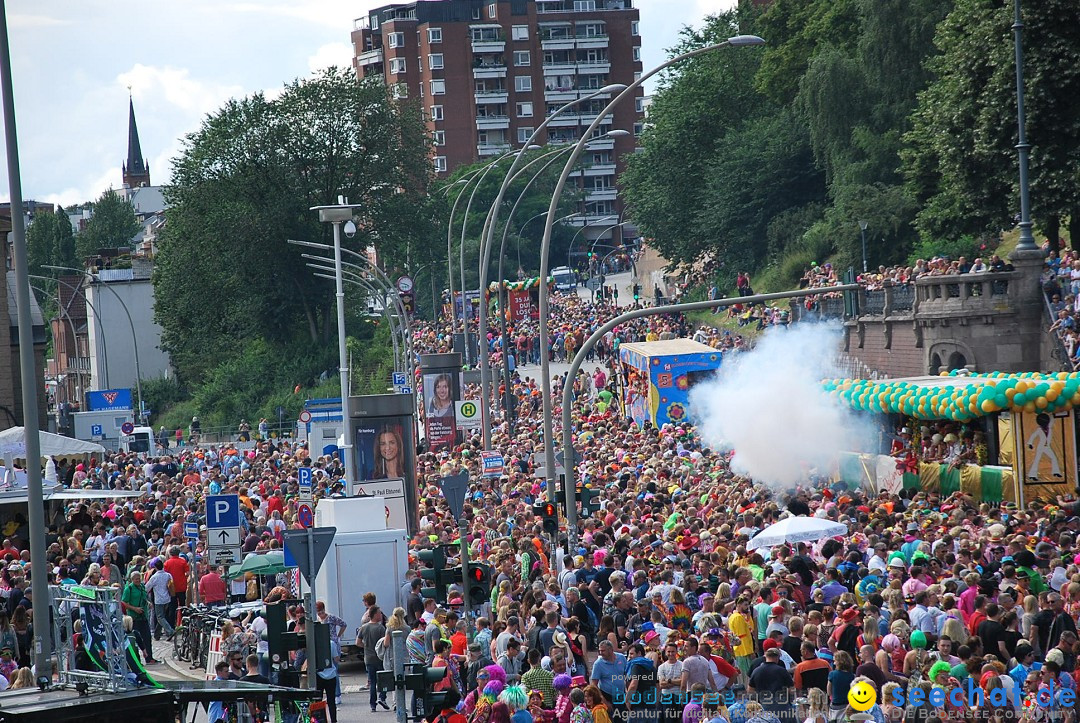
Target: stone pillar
x,y
1027,299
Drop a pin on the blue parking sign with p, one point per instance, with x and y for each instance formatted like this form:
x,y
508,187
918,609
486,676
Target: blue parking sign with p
x,y
222,511
303,477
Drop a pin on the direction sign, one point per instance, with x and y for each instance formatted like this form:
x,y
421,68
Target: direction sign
x,y
127,427
303,477
296,542
400,379
223,537
305,516
454,488
191,530
468,413
224,555
493,462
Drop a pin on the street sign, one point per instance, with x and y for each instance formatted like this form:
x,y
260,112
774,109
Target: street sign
x,y
303,476
296,542
224,555
405,390
305,417
223,537
191,530
454,488
400,379
494,464
96,430
222,511
305,516
127,427
468,413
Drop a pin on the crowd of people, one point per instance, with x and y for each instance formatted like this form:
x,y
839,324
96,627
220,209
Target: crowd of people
x,y
659,608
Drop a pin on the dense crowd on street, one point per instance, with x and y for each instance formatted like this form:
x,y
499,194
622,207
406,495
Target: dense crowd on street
x,y
658,610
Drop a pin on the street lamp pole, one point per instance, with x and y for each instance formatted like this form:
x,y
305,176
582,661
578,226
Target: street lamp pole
x,y
545,248
338,214
353,279
1026,241
862,226
28,371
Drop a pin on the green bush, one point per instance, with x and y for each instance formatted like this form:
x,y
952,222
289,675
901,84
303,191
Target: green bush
x,y
967,246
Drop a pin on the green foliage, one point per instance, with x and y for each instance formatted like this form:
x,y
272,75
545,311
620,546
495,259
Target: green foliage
x,y
960,165
966,246
112,226
225,277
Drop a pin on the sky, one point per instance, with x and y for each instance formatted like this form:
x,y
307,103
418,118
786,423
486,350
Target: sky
x,y
74,61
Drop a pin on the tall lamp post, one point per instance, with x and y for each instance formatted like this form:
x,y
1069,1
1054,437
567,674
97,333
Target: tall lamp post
x,y
1026,241
545,248
28,372
337,215
862,226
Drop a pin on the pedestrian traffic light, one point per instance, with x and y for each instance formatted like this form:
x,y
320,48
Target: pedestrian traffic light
x,y
277,637
637,291
590,254
422,680
479,583
435,573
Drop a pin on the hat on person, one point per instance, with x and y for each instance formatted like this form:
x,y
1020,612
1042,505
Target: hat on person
x,y
997,532
897,561
651,636
913,527
769,645
778,610
1054,655
850,615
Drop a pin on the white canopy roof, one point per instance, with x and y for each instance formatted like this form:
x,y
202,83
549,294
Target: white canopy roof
x,y
13,442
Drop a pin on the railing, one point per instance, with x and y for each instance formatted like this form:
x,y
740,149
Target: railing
x,y
1059,352
964,291
817,309
78,363
902,297
873,302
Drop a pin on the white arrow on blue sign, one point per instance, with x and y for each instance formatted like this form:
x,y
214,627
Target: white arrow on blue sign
x,y
191,530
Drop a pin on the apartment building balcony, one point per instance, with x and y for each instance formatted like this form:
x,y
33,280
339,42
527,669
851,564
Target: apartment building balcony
x,y
78,364
494,45
566,120
492,149
492,122
370,57
602,144
599,169
560,95
594,66
558,42
490,70
491,96
588,219
580,6
563,68
600,194
585,42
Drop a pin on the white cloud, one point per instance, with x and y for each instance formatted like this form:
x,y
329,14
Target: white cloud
x,y
339,54
337,14
19,21
177,87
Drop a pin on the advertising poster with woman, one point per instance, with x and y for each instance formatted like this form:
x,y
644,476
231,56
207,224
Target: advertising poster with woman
x,y
386,464
441,391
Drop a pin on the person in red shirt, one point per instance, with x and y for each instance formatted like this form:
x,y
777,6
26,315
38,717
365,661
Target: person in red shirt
x,y
179,568
726,669
275,503
212,587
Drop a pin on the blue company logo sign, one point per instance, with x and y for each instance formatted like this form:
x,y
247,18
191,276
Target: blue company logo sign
x,y
655,696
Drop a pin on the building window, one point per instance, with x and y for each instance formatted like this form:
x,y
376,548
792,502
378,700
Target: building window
x,y
439,137
634,28
523,83
476,13
524,110
395,40
637,75
637,53
436,113
401,90
440,164
397,65
374,22
434,35
438,87
584,5
524,134
493,10
639,128
520,32
522,58
435,61
639,105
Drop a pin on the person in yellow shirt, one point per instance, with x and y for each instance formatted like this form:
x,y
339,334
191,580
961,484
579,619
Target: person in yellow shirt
x,y
741,623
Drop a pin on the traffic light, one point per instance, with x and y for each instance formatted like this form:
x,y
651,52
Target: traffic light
x,y
590,254
550,514
590,501
435,573
277,637
479,583
420,679
637,291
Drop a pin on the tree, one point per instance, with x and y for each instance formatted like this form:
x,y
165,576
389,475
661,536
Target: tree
x,y
112,225
960,166
243,185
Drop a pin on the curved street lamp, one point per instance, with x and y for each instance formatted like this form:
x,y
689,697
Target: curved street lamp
x,y
545,380
76,289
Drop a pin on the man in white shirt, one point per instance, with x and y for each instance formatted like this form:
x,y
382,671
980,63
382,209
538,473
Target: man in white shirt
x,y
877,562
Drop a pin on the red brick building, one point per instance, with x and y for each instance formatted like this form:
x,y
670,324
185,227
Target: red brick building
x,y
488,72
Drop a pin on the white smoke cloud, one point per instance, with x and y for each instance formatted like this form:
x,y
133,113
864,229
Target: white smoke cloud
x,y
768,406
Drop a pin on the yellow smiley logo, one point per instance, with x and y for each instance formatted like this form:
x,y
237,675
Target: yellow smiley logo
x,y
862,696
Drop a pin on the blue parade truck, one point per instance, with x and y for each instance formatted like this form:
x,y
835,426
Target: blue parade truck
x,y
658,376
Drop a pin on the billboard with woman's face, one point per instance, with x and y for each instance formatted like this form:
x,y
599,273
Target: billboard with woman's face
x,y
386,465
441,391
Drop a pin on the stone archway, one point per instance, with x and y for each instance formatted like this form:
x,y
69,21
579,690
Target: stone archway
x,y
950,355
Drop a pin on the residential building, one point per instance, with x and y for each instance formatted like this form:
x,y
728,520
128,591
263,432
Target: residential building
x,y
488,72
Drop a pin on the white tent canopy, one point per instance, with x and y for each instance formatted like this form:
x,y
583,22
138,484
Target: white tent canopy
x,y
13,442
796,529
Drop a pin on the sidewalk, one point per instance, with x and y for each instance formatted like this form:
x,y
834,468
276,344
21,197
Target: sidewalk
x,y
163,651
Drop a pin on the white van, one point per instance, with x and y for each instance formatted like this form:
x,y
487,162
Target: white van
x,y
141,440
565,278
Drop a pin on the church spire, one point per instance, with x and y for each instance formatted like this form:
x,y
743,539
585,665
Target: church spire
x,y
136,170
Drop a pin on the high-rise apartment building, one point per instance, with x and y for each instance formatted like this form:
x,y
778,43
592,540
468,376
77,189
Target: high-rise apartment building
x,y
488,72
